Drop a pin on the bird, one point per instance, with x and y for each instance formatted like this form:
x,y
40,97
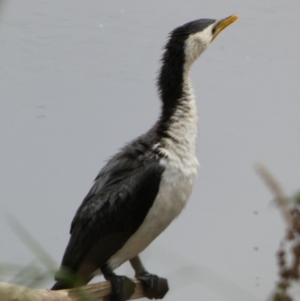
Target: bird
x,y
146,185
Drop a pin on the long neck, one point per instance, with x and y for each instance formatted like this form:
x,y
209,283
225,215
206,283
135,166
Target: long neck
x,y
170,81
179,119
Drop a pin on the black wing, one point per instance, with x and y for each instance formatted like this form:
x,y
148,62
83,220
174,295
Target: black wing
x,y
115,207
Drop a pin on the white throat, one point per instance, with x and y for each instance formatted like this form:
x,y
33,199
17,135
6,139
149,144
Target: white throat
x,y
196,44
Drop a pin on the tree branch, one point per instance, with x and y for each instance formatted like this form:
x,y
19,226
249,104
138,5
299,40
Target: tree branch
x,y
98,291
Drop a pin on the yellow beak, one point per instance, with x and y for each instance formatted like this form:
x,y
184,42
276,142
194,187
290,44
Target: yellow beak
x,y
223,24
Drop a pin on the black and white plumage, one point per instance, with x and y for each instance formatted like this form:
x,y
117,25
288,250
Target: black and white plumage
x,y
145,186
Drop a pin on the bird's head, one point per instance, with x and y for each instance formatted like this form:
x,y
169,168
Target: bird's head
x,y
184,45
194,37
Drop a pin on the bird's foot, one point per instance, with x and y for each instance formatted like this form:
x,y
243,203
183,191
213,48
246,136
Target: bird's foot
x,y
154,287
122,288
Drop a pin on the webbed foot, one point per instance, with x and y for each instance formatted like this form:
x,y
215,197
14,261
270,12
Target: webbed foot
x,y
122,288
154,287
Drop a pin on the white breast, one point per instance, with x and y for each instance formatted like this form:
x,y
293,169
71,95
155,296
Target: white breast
x,y
174,191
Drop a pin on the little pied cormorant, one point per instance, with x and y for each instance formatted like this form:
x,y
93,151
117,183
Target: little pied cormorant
x,y
145,186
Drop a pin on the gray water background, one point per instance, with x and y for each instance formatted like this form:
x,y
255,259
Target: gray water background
x,y
78,81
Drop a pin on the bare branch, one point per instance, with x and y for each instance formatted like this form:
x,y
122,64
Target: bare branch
x,y
98,291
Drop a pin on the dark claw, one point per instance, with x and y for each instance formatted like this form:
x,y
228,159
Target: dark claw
x,y
154,286
122,288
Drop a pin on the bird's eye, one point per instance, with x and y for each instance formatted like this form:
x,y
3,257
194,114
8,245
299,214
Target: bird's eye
x,y
213,31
